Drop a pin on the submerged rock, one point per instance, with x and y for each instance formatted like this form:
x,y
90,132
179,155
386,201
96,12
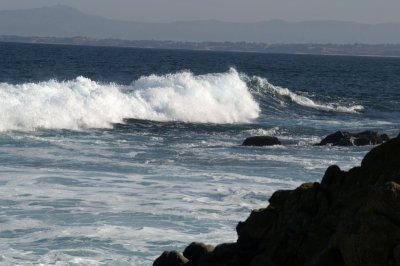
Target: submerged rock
x,y
351,218
261,141
343,138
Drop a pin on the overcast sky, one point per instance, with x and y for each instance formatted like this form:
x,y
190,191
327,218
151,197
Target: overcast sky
x,y
367,11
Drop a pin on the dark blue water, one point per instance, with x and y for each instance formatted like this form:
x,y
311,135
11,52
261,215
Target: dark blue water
x,y
81,184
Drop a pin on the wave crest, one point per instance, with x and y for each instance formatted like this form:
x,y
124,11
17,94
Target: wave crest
x,y
83,103
284,94
211,98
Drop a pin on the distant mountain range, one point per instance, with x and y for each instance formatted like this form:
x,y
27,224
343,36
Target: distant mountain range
x,y
64,21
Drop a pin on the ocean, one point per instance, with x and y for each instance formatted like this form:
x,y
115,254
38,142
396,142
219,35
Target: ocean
x,y
109,156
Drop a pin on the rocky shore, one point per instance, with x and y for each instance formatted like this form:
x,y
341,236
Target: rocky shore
x,y
350,218
343,138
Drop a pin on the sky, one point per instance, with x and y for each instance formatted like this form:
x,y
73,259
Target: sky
x,y
364,11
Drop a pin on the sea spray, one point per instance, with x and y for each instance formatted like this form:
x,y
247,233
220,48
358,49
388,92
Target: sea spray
x,y
83,103
220,98
210,98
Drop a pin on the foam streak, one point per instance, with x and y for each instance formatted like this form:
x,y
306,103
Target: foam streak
x,y
280,92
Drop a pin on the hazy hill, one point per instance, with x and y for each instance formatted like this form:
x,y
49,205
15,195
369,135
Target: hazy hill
x,y
63,21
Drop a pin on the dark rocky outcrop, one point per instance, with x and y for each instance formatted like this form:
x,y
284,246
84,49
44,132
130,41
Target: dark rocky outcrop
x,y
351,218
261,141
171,258
197,250
343,138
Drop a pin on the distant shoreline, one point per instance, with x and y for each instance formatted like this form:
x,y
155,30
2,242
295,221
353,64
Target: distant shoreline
x,y
357,49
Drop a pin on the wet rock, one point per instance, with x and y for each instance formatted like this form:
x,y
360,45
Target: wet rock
x,y
228,254
261,260
329,257
396,254
195,251
255,227
343,138
261,141
171,258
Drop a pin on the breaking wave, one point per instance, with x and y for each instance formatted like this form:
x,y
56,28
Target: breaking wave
x,y
83,103
283,94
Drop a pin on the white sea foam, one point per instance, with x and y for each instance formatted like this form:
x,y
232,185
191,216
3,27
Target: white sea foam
x,y
303,100
263,132
84,103
57,212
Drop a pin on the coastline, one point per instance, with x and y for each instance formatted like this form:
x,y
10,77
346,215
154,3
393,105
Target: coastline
x,y
80,183
349,218
358,50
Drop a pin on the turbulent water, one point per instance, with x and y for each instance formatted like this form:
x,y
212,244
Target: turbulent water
x,y
109,156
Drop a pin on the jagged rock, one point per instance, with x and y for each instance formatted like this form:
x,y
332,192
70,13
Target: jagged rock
x,y
351,218
227,254
261,260
369,238
396,254
196,251
259,222
171,258
261,141
343,138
